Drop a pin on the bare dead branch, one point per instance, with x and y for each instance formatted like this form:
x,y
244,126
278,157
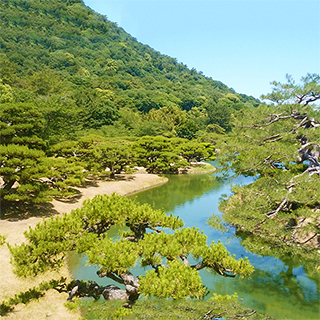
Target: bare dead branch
x,y
245,315
296,228
273,213
271,137
304,242
304,120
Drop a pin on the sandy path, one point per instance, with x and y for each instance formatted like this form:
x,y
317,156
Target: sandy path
x,y
51,306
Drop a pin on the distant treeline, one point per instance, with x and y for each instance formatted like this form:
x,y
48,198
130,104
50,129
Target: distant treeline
x,y
87,75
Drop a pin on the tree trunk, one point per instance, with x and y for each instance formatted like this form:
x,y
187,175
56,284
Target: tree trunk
x,y
131,292
8,185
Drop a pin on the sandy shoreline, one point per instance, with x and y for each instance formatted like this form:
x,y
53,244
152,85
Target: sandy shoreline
x,y
51,306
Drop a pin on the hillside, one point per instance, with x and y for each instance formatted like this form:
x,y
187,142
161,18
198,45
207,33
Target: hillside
x,y
84,72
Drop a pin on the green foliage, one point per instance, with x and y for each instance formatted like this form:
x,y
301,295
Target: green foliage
x,y
174,281
97,154
115,157
305,93
279,145
152,128
194,151
27,172
8,70
29,295
98,109
21,124
71,305
56,235
161,154
45,82
79,66
187,130
37,177
172,309
142,240
158,154
2,239
5,93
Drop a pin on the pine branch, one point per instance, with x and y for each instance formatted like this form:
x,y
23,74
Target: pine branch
x,y
304,120
274,140
200,265
296,228
155,229
101,273
304,242
273,213
272,137
245,315
218,314
277,118
185,260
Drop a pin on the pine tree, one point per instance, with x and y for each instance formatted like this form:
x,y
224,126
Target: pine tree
x,y
279,144
28,174
142,238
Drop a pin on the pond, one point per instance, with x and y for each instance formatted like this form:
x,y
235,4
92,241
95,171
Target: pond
x,y
279,288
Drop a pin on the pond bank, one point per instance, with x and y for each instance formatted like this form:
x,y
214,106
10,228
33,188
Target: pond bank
x,y
13,228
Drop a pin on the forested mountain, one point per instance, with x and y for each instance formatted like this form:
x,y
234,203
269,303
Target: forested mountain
x,y
84,72
81,97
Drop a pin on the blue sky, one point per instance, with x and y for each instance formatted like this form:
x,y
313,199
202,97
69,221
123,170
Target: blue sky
x,y
246,44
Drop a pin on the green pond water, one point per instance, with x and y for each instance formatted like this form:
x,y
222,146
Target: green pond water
x,y
280,288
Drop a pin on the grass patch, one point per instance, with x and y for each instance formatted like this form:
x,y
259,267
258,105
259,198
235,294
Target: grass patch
x,y
72,305
29,295
200,168
218,307
2,239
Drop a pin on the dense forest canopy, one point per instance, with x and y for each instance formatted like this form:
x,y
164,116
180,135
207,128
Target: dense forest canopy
x,y
80,96
69,74
76,66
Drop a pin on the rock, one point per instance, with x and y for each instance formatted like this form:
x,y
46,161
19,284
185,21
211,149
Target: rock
x,y
112,292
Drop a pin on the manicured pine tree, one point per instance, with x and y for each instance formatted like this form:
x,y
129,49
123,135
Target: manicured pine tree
x,y
142,239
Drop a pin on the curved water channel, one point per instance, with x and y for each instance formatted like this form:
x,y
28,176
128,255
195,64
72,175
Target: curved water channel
x,y
281,289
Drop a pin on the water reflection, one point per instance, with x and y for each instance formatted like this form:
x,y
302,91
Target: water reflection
x,y
178,191
280,288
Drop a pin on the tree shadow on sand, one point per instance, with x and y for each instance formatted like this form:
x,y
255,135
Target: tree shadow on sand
x,y
119,177
17,210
